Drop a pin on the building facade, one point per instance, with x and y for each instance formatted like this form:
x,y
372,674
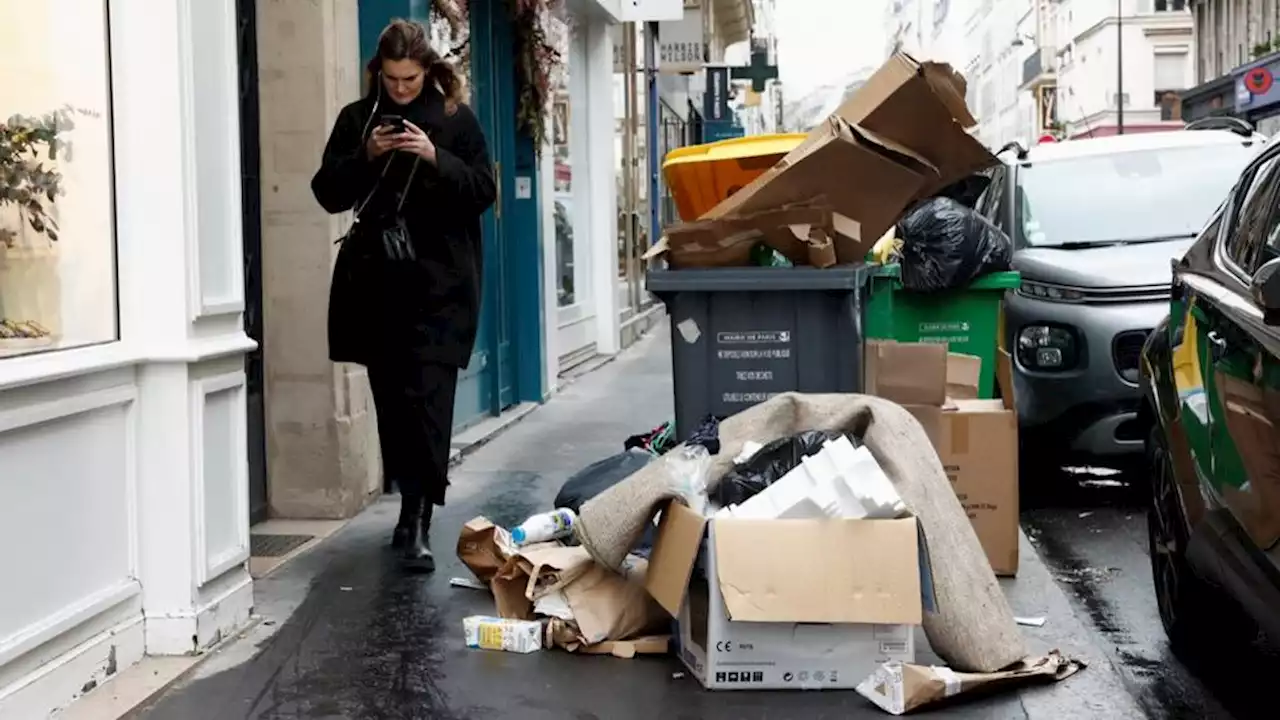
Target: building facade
x,y
124,519
1237,57
1056,67
1122,72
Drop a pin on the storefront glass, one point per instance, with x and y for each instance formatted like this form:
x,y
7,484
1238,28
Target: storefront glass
x,y
563,160
57,224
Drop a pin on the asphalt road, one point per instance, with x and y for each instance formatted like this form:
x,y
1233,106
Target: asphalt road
x,y
1092,534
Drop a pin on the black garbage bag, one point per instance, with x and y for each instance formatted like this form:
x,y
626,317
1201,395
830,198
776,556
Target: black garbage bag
x,y
599,476
769,464
946,245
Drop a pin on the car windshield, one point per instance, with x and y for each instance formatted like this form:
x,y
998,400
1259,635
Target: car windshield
x,y
1139,195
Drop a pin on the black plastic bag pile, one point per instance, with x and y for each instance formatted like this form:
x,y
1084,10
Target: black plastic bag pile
x,y
946,245
768,465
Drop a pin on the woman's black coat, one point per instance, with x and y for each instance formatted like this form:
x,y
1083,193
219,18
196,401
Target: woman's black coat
x,y
424,309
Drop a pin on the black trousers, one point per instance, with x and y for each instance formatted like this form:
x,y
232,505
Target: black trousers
x,y
414,404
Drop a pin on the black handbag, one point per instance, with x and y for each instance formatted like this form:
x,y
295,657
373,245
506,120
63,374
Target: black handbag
x,y
351,304
396,244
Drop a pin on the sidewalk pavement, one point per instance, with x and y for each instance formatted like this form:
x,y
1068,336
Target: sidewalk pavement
x,y
345,634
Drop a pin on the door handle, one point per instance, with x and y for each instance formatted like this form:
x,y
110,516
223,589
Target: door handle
x,y
497,182
1219,349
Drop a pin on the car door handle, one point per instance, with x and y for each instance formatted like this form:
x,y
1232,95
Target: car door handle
x,y
1219,344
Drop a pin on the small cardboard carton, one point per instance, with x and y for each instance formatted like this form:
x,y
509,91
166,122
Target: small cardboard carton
x,y
976,440
790,604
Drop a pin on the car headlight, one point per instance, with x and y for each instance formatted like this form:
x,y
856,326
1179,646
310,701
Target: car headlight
x,y
1047,347
1052,293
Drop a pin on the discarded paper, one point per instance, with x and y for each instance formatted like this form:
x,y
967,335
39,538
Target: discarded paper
x,y
899,688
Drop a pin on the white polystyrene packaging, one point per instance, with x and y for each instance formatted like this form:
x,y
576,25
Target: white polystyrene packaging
x,y
838,481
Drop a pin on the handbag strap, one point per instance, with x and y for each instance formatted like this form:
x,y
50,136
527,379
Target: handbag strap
x,y
407,183
376,185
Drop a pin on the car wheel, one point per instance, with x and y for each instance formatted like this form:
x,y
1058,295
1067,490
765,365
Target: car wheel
x,y
1188,606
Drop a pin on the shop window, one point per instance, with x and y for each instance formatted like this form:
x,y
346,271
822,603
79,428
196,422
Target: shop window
x,y
57,223
562,155
1170,105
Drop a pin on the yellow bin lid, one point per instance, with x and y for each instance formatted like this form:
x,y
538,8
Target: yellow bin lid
x,y
700,176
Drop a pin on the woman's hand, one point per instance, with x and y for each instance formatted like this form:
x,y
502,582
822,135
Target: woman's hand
x,y
414,140
382,139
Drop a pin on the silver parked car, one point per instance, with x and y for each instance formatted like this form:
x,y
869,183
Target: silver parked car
x,y
1095,224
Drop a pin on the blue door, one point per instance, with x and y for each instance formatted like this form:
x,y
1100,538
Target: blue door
x,y
506,365
487,385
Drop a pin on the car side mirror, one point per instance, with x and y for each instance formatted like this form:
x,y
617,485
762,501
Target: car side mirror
x,y
1265,289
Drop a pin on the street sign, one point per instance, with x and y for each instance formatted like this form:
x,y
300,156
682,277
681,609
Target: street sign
x,y
715,99
714,131
682,47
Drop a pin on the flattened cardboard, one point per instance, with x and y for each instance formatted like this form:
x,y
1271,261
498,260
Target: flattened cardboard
x,y
921,106
774,571
803,233
674,552
865,178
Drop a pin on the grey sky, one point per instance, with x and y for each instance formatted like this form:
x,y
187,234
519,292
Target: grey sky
x,y
821,40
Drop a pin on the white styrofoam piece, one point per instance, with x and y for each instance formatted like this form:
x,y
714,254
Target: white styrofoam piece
x,y
838,481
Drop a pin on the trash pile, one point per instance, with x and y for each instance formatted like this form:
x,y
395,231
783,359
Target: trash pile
x,y
894,164
802,542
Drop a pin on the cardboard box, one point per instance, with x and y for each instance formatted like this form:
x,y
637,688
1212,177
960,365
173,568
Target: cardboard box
x,y
805,234
976,440
979,451
900,138
765,611
921,105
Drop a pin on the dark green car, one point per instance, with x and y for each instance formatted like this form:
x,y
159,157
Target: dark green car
x,y
1210,376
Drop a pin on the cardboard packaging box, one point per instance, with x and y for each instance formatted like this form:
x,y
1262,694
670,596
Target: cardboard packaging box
x,y
764,609
900,138
806,234
976,440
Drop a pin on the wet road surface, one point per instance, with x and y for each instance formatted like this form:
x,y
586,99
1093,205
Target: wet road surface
x,y
1092,534
346,634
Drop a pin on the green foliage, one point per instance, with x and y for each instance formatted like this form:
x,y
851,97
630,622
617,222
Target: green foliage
x,y
29,179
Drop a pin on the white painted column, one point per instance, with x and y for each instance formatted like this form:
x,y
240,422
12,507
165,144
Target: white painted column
x,y
550,291
181,303
602,183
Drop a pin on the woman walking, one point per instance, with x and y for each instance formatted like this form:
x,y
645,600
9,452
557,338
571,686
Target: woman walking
x,y
411,160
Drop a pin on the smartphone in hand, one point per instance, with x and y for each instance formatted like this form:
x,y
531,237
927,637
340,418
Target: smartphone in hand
x,y
394,122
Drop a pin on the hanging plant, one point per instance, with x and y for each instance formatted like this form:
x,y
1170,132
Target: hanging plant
x,y
536,59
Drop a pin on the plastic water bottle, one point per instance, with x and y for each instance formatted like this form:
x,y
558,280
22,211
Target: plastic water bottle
x,y
544,527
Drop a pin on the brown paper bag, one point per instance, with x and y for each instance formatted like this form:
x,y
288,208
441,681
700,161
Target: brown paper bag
x,y
606,606
484,548
898,688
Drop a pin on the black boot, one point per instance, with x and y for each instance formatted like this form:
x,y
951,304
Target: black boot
x,y
417,550
400,536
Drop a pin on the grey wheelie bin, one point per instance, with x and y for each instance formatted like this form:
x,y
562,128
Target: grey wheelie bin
x,y
742,335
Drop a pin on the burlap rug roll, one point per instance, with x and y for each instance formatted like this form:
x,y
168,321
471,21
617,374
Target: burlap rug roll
x,y
973,629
